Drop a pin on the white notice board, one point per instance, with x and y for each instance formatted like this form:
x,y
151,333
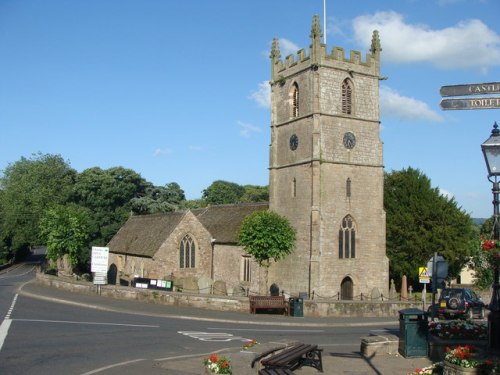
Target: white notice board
x,y
99,261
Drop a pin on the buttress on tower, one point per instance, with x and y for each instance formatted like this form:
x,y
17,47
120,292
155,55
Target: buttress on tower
x,y
326,172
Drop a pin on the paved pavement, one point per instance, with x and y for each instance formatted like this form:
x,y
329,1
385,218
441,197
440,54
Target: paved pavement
x,y
333,363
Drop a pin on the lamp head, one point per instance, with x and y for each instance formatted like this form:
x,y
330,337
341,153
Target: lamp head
x,y
491,152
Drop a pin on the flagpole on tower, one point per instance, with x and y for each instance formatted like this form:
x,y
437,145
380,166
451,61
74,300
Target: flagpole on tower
x,y
324,21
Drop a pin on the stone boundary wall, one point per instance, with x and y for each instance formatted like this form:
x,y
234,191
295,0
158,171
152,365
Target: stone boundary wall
x,y
311,308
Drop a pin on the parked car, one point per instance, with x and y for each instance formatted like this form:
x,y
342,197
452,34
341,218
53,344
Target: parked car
x,y
460,303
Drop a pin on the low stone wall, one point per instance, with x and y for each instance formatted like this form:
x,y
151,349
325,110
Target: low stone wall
x,y
311,308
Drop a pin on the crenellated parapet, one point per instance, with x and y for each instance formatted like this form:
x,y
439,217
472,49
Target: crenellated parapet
x,y
317,56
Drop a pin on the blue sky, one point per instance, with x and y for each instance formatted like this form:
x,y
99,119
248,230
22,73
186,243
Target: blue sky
x,y
177,90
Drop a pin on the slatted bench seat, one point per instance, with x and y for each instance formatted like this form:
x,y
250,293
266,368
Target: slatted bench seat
x,y
290,358
275,372
268,302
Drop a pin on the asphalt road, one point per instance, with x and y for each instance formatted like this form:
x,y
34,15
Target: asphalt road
x,y
55,332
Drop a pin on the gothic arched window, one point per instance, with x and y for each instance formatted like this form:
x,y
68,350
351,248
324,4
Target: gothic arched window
x,y
347,238
187,252
295,100
347,96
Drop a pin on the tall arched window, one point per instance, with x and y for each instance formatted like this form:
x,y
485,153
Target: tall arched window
x,y
295,100
347,238
348,188
187,252
347,96
294,187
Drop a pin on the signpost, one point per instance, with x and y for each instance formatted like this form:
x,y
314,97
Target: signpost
x,y
472,89
99,266
478,103
488,102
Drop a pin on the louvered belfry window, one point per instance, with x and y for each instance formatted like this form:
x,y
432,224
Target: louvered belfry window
x,y
347,97
295,100
187,252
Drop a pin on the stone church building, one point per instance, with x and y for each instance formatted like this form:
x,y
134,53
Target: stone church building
x,y
326,175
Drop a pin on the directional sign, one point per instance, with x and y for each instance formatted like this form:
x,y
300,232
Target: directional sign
x,y
477,103
471,89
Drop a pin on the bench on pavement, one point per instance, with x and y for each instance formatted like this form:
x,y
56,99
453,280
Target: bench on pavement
x,y
289,359
268,302
275,372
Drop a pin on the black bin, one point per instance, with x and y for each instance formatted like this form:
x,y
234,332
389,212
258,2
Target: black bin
x,y
296,307
413,330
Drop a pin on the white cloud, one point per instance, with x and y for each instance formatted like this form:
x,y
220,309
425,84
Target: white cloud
x,y
287,47
162,151
195,148
247,129
468,44
393,104
446,193
262,96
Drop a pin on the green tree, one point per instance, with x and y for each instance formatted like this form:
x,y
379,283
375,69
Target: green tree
x,y
108,194
223,192
66,230
159,199
483,272
29,187
421,221
266,235
255,193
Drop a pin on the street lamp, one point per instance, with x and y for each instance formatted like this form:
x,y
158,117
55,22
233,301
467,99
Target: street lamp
x,y
491,151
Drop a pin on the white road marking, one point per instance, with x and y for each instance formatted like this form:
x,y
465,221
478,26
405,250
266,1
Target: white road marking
x,y
112,366
4,327
87,323
271,330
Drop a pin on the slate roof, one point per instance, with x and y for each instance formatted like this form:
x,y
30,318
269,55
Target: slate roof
x,y
143,235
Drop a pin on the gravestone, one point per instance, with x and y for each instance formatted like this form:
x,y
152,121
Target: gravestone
x,y
190,285
205,284
219,288
375,295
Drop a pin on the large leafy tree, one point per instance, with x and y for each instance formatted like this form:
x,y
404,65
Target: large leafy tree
x,y
66,230
223,192
255,193
159,199
266,235
108,194
421,221
29,187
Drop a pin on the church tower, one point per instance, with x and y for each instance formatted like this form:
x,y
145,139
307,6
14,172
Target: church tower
x,y
326,171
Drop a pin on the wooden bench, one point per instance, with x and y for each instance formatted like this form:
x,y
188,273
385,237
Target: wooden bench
x,y
289,359
268,302
280,371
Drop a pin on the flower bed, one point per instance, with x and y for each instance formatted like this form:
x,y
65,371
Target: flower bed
x,y
455,333
216,364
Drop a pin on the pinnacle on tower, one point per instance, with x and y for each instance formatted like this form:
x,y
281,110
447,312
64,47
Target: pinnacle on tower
x,y
316,33
375,47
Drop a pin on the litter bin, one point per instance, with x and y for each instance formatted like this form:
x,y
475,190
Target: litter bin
x,y
296,307
413,329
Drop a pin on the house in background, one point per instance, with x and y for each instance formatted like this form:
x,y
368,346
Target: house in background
x,y
194,243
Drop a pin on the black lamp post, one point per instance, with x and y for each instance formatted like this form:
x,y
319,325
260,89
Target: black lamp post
x,y
491,151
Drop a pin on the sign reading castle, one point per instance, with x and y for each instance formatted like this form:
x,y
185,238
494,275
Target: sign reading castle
x,y
470,103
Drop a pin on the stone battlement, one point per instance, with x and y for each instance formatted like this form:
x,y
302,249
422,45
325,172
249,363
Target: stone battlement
x,y
318,55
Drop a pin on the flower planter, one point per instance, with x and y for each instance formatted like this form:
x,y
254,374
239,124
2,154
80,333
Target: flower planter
x,y
437,346
452,369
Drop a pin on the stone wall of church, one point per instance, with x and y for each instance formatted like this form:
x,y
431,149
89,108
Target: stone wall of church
x,y
227,266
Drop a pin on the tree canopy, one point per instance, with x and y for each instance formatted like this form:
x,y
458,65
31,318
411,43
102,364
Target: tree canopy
x,y
29,187
421,221
65,230
266,235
